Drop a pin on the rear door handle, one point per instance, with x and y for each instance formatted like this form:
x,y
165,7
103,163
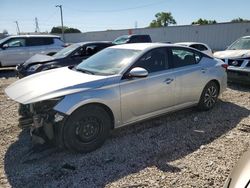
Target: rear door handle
x,y
168,80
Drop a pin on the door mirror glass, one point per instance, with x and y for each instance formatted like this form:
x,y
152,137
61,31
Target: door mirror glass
x,y
138,72
5,46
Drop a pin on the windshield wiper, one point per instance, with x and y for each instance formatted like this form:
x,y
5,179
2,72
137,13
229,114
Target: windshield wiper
x,y
85,71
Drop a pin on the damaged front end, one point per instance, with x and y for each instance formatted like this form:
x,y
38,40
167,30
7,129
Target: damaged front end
x,y
41,119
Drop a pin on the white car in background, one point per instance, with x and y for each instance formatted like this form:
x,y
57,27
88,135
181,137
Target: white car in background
x,y
199,46
237,56
17,49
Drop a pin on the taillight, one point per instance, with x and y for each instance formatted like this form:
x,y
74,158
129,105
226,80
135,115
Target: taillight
x,y
224,66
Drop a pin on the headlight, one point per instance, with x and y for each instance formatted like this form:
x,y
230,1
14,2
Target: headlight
x,y
34,67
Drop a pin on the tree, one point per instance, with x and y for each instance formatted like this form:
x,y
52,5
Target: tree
x,y
237,20
203,22
163,19
58,29
5,32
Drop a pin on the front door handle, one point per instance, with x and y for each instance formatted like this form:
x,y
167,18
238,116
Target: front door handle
x,y
168,80
203,70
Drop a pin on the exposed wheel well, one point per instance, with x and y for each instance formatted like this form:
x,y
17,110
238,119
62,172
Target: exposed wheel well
x,y
216,82
106,108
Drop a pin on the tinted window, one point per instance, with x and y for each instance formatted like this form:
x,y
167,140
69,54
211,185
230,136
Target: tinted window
x,y
199,47
39,41
153,61
182,57
16,42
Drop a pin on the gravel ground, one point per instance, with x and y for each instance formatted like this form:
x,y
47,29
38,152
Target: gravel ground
x,y
183,149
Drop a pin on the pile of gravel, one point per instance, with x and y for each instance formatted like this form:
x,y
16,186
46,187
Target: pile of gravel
x,y
183,149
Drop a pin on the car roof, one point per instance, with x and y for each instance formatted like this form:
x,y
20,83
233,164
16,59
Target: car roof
x,y
27,36
93,42
245,37
189,43
141,46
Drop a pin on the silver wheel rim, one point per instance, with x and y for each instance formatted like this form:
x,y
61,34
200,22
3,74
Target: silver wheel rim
x,y
210,96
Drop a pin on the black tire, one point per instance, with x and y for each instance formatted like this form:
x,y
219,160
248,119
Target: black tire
x,y
209,96
86,129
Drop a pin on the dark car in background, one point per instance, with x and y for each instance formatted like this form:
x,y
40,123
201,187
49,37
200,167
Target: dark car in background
x,y
125,39
71,55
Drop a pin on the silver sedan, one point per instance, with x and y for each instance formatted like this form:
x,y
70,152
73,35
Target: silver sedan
x,y
78,106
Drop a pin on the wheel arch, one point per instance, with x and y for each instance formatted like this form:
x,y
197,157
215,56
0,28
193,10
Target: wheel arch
x,y
105,107
216,82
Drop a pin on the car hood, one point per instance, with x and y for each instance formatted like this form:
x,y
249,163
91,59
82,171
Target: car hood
x,y
51,84
39,58
232,54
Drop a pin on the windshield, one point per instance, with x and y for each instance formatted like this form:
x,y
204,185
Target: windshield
x,y
108,61
240,44
66,51
4,39
121,40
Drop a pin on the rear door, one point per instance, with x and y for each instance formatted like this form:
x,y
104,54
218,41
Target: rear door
x,y
190,74
143,97
40,45
16,52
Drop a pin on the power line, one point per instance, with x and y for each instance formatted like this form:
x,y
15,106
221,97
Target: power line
x,y
17,26
37,30
117,10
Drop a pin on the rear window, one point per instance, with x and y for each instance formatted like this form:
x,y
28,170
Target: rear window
x,y
199,47
39,41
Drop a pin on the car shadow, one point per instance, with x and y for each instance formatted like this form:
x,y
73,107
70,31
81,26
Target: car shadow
x,y
153,143
7,72
239,87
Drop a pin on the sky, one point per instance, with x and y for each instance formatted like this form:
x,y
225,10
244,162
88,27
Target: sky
x,y
99,15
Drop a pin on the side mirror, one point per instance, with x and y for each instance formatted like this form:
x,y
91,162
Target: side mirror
x,y
138,72
5,46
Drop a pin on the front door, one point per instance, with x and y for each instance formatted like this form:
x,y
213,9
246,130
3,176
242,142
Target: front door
x,y
15,53
143,97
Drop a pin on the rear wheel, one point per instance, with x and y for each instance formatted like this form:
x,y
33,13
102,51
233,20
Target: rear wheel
x,y
209,96
86,129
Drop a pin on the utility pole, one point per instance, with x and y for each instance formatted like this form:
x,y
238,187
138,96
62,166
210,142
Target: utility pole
x,y
60,6
17,26
37,30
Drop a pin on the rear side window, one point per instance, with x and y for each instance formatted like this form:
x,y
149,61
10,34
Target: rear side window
x,y
181,57
39,41
140,38
199,47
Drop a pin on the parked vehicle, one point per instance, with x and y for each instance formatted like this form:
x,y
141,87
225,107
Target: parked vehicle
x,y
199,46
237,56
125,39
17,49
71,55
240,175
120,85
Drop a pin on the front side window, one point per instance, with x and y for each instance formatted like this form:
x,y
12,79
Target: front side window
x,y
108,61
16,42
184,57
154,61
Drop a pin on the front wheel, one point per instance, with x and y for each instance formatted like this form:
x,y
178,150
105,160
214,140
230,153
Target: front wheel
x,y
87,129
209,96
